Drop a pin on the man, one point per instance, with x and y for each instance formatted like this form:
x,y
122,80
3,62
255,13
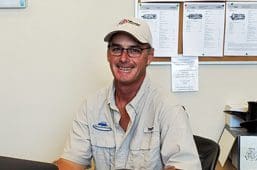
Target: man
x,y
130,125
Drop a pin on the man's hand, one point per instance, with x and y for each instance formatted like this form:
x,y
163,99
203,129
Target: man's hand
x,y
64,164
170,168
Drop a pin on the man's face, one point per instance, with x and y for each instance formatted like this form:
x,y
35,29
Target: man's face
x,y
126,67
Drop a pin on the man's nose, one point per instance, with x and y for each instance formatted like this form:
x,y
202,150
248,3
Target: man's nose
x,y
124,55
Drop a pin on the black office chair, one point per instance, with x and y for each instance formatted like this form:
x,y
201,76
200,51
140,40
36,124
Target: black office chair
x,y
208,151
9,163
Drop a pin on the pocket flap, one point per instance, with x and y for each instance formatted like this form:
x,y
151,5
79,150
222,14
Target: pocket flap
x,y
102,137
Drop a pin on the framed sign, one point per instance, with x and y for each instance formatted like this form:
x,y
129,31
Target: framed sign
x,y
247,153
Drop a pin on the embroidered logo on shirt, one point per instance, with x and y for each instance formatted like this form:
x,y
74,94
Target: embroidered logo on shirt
x,y
149,129
102,126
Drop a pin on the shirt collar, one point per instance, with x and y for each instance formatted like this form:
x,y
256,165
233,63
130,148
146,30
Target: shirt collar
x,y
135,102
111,99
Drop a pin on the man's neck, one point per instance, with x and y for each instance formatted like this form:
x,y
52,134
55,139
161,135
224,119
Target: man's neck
x,y
125,93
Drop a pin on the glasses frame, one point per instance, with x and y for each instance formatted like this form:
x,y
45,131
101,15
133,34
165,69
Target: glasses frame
x,y
128,50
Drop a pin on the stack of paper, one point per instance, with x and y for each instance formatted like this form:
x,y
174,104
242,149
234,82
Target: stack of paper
x,y
235,114
236,107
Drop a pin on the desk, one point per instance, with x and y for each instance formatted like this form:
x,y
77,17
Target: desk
x,y
241,146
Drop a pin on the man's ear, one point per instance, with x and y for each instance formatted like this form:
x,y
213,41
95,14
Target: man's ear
x,y
150,56
108,56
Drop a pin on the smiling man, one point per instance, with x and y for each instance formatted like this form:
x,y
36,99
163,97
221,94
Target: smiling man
x,y
130,124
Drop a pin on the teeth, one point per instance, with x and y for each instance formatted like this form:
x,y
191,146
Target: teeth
x,y
125,69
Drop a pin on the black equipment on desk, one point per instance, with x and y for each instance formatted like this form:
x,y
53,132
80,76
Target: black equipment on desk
x,y
249,117
250,122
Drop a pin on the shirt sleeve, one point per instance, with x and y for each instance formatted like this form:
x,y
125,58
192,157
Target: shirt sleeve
x,y
177,144
78,145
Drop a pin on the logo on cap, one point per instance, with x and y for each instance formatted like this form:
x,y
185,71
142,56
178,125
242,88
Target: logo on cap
x,y
124,21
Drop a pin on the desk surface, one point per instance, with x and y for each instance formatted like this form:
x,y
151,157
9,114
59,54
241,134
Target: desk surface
x,y
239,131
230,144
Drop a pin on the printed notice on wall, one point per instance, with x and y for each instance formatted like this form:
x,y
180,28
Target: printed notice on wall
x,y
12,3
184,74
176,0
161,0
163,20
241,29
203,29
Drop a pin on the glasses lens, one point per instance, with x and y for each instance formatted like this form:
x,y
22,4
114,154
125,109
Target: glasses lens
x,y
116,50
134,51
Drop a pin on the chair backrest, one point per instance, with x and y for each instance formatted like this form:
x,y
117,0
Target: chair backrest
x,y
9,163
208,151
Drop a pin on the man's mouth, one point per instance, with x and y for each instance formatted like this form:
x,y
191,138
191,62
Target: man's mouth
x,y
125,69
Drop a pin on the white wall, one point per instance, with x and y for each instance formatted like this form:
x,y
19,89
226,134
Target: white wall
x,y
52,55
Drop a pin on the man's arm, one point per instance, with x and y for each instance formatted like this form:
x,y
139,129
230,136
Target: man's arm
x,y
181,152
77,152
64,164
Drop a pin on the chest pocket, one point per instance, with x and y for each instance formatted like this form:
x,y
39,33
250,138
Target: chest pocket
x,y
102,137
145,150
148,139
103,147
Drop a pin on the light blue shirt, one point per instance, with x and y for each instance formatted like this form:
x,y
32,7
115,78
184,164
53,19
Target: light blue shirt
x,y
158,134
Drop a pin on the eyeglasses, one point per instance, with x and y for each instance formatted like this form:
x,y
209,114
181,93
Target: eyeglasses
x,y
132,52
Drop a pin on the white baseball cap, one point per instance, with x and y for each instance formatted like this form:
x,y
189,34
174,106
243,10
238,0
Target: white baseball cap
x,y
139,29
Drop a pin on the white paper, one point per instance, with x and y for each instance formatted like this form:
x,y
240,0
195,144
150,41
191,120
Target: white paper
x,y
163,19
12,3
203,29
160,0
226,142
177,0
241,29
184,72
248,152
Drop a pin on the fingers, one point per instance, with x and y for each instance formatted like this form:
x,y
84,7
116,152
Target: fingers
x,y
170,168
